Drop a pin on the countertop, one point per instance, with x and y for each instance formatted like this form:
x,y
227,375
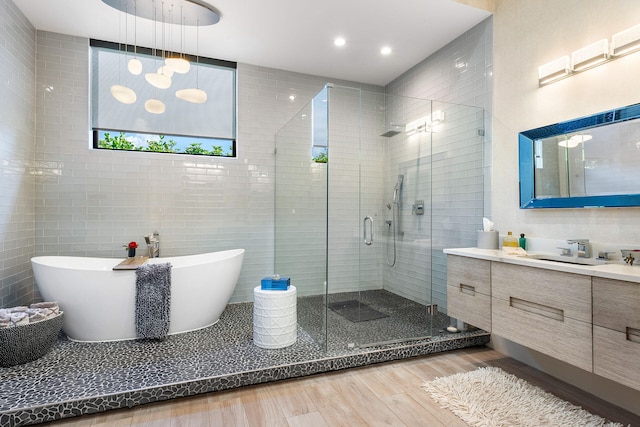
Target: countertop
x,y
616,270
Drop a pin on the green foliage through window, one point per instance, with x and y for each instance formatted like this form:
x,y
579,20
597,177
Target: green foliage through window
x,y
321,158
164,144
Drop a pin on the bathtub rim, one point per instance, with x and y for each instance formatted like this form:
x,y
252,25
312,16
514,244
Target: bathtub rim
x,y
110,262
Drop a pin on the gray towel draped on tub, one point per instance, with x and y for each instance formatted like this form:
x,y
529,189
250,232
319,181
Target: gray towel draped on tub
x,y
153,300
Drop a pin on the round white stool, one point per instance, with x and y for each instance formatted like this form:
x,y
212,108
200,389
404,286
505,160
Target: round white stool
x,y
274,317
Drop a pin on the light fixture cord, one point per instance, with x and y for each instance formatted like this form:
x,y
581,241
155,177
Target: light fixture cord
x,y
126,39
182,31
163,27
119,50
135,28
197,52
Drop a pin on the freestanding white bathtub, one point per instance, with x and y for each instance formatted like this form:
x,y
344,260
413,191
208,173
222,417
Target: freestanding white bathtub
x,y
99,303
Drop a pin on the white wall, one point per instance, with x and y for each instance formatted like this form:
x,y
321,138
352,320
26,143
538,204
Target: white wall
x,y
528,34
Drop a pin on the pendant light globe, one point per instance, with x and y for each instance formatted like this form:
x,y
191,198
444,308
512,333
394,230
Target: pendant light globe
x,y
154,106
123,94
196,96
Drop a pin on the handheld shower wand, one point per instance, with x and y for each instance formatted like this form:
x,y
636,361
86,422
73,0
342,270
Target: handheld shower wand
x,y
397,189
394,224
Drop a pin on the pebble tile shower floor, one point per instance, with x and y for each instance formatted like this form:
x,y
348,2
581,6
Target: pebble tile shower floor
x,y
83,378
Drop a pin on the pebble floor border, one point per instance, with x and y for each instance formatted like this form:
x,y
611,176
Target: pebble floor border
x,y
74,379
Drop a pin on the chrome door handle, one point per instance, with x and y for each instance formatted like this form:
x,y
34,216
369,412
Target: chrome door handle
x,y
364,230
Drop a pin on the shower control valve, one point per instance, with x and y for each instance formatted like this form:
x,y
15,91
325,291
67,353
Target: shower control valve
x,y
418,207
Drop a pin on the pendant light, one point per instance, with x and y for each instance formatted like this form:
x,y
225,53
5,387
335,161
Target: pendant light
x,y
166,71
178,63
122,93
154,105
194,95
160,81
134,65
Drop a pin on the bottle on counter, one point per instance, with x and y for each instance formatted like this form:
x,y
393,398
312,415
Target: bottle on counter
x,y
523,241
510,240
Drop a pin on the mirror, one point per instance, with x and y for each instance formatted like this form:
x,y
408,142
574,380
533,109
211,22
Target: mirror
x,y
591,161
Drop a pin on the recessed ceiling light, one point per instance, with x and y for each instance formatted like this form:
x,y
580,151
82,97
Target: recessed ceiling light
x,y
385,50
339,41
292,97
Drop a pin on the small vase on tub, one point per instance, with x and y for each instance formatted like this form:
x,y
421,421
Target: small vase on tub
x,y
131,249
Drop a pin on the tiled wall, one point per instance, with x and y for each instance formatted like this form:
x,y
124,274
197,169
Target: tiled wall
x,y
461,73
89,203
17,121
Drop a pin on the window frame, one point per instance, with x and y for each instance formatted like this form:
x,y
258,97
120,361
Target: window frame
x,y
130,49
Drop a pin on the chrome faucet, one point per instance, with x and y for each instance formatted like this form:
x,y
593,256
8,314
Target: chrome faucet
x,y
584,247
153,244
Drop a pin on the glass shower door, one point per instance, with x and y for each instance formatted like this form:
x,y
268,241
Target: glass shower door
x,y
301,213
401,204
378,283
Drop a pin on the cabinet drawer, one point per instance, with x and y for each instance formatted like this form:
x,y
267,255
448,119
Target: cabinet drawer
x,y
615,304
563,338
616,355
471,307
567,293
471,272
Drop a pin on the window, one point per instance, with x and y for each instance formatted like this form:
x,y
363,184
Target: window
x,y
207,128
319,127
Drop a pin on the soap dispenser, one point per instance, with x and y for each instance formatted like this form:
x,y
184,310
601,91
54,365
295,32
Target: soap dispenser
x,y
510,240
523,241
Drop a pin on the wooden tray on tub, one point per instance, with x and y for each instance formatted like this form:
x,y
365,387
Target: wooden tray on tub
x,y
131,263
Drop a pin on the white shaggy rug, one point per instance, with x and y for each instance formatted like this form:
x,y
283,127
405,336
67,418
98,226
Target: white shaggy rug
x,y
492,397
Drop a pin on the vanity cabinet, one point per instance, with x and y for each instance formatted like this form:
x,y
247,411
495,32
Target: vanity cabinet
x,y
616,331
546,310
469,290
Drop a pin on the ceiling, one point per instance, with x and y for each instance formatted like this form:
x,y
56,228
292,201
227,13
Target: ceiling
x,y
294,35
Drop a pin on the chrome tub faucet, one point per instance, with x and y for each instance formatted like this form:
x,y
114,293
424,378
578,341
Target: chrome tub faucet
x,y
153,244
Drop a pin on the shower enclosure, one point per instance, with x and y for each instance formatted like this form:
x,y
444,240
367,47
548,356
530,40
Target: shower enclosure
x,y
369,189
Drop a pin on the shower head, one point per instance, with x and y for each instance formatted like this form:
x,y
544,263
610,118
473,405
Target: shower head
x,y
393,130
390,133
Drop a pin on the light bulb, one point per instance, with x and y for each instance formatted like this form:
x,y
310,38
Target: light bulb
x,y
134,66
179,65
154,106
123,94
197,96
158,80
165,71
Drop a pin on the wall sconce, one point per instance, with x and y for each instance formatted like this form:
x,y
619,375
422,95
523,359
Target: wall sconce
x,y
554,70
417,126
590,56
437,117
626,41
426,123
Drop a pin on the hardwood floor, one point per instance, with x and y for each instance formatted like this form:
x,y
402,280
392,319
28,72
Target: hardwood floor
x,y
384,394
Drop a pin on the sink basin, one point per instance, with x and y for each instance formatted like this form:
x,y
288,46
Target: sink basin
x,y
567,259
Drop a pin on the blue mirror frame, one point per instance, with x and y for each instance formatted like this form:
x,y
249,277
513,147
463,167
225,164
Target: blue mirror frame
x,y
526,162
